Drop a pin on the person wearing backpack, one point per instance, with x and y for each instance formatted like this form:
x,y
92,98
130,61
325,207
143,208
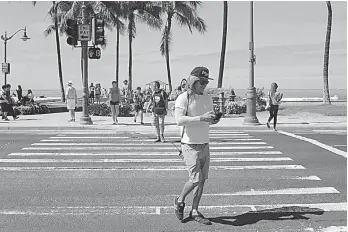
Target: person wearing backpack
x,y
159,99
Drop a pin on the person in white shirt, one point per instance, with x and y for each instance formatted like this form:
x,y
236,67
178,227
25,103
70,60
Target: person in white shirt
x,y
274,98
71,100
194,113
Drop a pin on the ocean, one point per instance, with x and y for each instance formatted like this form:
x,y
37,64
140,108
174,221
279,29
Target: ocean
x,y
288,93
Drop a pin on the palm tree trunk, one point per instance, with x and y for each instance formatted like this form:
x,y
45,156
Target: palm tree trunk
x,y
167,55
130,38
130,63
326,95
223,46
60,71
117,52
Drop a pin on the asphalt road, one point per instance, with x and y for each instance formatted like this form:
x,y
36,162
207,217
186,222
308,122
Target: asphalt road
x,y
80,180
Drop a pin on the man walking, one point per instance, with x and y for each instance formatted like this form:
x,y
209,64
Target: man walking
x,y
71,100
194,112
159,99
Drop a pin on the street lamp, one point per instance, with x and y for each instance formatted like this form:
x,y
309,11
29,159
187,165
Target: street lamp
x,y
250,117
6,67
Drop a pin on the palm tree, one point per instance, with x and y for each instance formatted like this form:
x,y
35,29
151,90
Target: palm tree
x,y
47,32
185,13
146,12
223,46
326,95
118,10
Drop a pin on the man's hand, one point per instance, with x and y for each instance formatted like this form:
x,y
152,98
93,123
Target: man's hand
x,y
208,117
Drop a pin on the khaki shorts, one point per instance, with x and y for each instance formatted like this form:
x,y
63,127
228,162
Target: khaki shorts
x,y
197,160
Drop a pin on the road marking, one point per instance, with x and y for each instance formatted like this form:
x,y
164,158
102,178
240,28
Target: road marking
x,y
136,160
162,210
212,148
157,168
143,153
303,178
322,145
138,144
334,229
67,139
286,191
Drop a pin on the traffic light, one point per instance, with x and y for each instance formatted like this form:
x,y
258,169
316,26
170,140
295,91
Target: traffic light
x,y
99,32
71,32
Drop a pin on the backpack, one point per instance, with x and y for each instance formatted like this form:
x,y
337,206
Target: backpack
x,y
158,109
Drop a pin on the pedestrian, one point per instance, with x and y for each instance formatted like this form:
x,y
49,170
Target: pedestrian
x,y
19,93
71,100
159,99
3,103
194,113
29,98
139,101
125,91
91,93
114,101
7,103
97,93
274,98
183,85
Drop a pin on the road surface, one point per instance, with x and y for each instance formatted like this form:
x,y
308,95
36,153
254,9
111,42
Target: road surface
x,y
90,180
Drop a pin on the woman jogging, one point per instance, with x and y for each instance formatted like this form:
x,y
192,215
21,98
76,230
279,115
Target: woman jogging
x,y
274,98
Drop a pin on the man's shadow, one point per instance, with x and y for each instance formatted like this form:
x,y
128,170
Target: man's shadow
x,y
283,213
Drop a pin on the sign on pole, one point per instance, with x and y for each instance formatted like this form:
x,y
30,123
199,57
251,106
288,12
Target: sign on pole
x,y
6,68
84,32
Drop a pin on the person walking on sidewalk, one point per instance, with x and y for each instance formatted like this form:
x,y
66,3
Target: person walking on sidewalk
x,y
114,101
139,105
91,93
159,99
194,113
71,100
274,98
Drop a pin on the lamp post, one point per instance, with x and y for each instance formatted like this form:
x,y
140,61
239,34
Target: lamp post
x,y
5,39
85,119
250,117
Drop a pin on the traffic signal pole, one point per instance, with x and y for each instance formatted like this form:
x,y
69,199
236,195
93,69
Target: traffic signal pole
x,y
85,119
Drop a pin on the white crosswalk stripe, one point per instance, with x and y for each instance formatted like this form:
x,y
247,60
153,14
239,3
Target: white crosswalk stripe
x,y
231,151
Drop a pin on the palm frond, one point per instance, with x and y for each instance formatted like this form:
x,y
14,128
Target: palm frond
x,y
183,21
200,25
150,20
50,29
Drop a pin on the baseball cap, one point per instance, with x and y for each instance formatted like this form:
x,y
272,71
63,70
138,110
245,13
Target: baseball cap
x,y
70,83
201,72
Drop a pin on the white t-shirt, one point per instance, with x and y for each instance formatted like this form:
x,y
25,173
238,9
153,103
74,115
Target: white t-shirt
x,y
197,133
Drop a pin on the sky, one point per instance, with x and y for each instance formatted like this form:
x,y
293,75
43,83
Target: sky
x,y
289,47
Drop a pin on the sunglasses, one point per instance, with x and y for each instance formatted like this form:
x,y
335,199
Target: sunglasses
x,y
203,82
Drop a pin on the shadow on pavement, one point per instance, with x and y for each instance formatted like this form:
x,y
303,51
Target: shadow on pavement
x,y
284,213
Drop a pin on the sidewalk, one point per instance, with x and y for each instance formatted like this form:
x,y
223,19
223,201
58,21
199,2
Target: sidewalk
x,y
59,121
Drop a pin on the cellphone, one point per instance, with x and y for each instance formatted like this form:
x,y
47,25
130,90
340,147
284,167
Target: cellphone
x,y
218,116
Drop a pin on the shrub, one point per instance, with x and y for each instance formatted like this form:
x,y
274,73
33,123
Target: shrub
x,y
260,102
104,110
235,107
99,110
31,109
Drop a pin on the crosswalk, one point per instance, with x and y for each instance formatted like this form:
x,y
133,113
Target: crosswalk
x,y
256,169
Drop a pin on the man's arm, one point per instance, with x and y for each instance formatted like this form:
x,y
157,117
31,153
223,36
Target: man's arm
x,y
184,120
